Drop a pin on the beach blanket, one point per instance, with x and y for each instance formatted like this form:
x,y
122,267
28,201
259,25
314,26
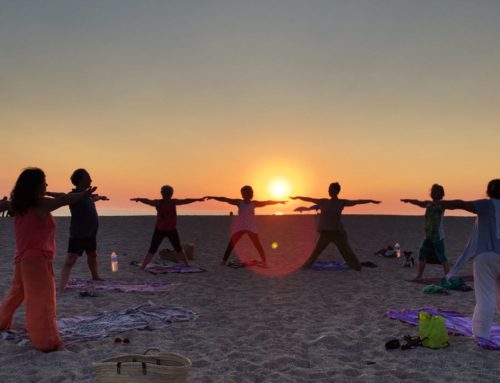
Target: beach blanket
x,y
155,268
93,327
330,266
456,323
122,286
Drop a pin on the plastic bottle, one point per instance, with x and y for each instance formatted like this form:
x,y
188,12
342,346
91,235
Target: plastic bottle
x,y
397,250
114,262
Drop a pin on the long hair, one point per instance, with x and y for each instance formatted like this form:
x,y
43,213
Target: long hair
x,y
25,194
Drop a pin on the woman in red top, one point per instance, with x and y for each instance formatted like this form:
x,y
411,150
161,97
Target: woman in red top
x,y
35,249
166,222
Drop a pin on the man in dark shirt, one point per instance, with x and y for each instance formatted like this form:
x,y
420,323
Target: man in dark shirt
x,y
83,228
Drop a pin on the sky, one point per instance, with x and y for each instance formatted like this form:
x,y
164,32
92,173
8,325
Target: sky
x,y
386,97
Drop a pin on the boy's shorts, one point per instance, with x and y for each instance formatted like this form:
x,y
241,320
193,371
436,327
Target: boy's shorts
x,y
79,245
432,252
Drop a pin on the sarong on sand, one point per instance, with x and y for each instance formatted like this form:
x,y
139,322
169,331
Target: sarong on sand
x,y
437,281
123,286
456,323
93,327
330,266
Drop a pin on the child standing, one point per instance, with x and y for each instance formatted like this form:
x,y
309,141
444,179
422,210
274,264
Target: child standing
x,y
330,226
166,222
33,280
245,221
433,243
83,228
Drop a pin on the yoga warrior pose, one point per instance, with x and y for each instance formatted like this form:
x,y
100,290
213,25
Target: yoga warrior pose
x,y
35,249
484,249
330,226
245,221
166,222
433,244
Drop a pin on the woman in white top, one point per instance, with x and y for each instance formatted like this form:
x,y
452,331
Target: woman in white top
x,y
245,221
485,252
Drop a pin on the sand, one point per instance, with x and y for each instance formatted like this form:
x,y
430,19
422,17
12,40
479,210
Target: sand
x,y
275,325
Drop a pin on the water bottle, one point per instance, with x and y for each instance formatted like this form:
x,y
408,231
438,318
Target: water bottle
x,y
397,250
114,262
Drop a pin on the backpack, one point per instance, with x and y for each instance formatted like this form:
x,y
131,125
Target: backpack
x,y
432,330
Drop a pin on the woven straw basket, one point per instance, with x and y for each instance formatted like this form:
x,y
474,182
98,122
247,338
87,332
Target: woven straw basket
x,y
164,367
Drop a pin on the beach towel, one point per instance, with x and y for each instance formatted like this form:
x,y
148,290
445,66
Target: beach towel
x,y
456,323
155,268
122,286
329,266
93,327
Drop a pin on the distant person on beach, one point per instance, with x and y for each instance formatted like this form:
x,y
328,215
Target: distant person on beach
x,y
433,244
245,221
330,225
4,206
33,280
83,228
484,249
166,222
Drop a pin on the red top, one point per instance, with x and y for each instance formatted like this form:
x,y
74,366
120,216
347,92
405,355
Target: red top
x,y
167,216
34,236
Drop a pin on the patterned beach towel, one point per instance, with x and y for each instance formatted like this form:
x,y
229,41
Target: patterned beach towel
x,y
330,266
92,327
456,323
123,286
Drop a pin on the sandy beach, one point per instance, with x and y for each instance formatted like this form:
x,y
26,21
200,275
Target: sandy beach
x,y
263,325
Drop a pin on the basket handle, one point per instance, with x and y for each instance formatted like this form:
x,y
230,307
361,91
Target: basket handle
x,y
151,349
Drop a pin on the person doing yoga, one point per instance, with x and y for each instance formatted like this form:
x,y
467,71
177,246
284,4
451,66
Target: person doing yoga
x,y
330,225
166,222
245,221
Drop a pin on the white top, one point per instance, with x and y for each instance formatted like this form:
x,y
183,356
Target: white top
x,y
245,220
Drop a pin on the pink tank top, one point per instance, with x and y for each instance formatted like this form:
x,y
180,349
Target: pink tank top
x,y
167,216
35,236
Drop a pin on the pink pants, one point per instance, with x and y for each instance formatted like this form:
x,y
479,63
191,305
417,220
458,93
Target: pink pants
x,y
34,284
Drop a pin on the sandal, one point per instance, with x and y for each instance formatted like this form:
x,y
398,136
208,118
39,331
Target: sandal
x,y
411,342
392,344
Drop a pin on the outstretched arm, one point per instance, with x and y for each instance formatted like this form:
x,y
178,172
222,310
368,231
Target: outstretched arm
x,y
185,201
150,202
97,197
308,199
55,194
48,204
227,200
266,203
458,204
355,202
416,202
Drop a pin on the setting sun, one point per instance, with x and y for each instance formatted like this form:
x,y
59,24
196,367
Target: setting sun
x,y
279,188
